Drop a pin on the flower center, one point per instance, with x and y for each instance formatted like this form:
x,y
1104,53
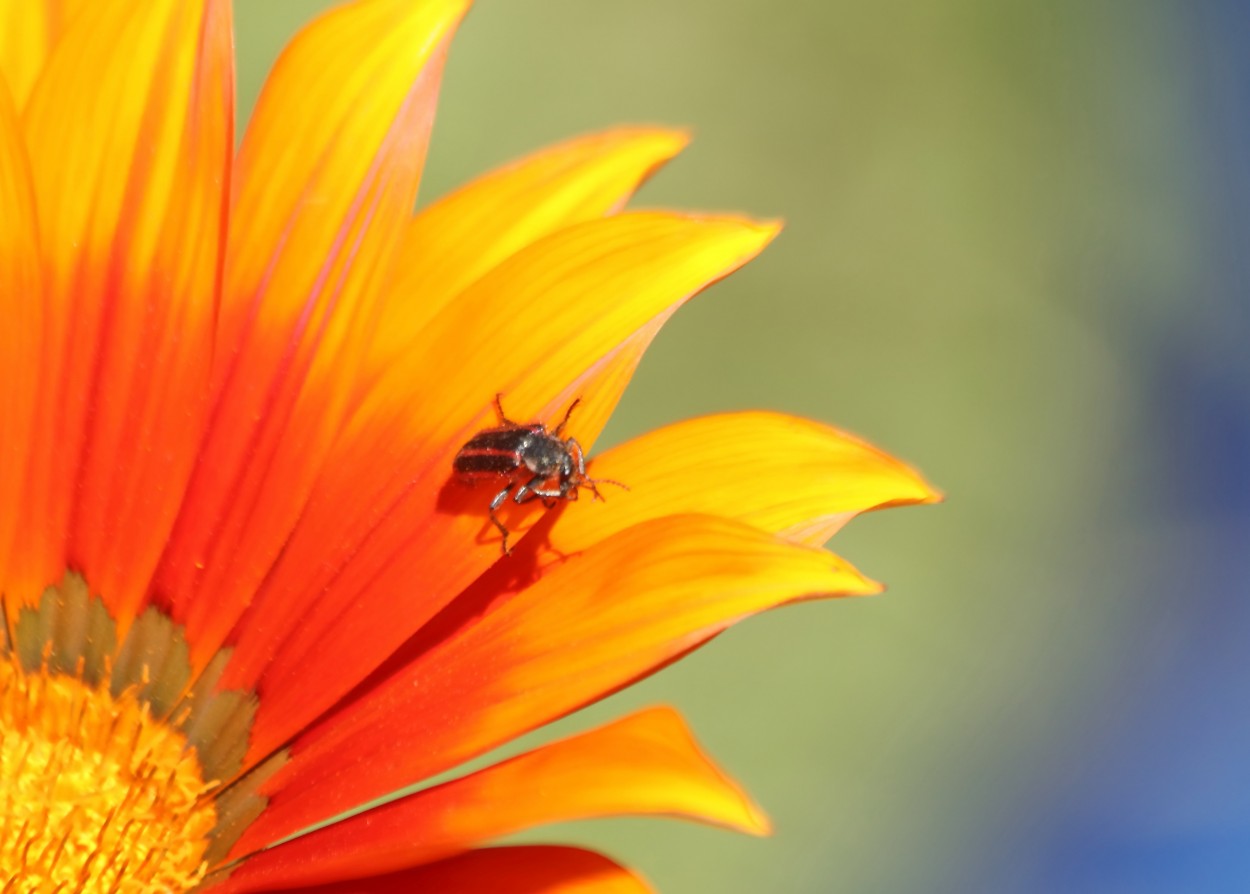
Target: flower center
x,y
95,795
120,763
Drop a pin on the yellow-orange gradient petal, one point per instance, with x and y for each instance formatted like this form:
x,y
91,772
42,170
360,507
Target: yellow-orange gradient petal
x,y
28,31
25,41
130,135
466,233
388,538
647,763
328,174
529,869
596,623
21,336
780,473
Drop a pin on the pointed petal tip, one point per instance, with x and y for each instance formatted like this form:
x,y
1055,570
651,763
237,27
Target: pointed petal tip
x,y
767,229
737,810
763,825
750,235
754,820
408,9
448,14
433,21
424,24
852,581
661,142
674,138
680,136
922,492
772,225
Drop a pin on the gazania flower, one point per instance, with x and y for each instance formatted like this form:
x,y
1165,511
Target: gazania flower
x,y
243,592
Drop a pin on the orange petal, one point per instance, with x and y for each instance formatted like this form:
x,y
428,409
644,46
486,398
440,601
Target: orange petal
x,y
21,340
596,623
463,235
647,763
530,869
387,538
29,29
132,218
780,473
25,41
328,175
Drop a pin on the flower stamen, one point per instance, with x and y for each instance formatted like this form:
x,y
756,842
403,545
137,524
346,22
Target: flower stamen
x,y
95,788
114,752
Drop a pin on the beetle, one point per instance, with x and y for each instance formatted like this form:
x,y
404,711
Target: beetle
x,y
534,463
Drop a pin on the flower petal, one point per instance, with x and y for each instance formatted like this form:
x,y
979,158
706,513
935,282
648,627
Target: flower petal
x,y
597,622
132,219
780,473
25,40
463,235
528,869
647,763
29,29
360,579
21,341
328,175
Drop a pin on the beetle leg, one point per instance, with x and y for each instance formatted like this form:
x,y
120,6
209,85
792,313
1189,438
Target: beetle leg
x,y
529,490
495,504
548,494
499,409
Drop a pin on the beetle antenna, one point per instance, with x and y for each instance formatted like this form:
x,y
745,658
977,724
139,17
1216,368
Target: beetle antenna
x,y
567,413
591,482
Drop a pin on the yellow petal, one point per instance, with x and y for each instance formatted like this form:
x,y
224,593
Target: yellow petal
x,y
338,113
459,238
29,29
25,39
779,473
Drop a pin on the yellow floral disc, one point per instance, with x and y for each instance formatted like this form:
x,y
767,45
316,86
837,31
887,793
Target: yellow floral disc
x,y
95,795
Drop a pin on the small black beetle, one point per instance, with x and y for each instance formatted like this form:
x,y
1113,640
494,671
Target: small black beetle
x,y
536,462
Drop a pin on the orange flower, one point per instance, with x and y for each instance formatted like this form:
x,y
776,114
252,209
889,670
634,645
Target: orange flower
x,y
242,592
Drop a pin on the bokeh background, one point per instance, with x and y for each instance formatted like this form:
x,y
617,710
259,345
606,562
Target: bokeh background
x,y
1016,256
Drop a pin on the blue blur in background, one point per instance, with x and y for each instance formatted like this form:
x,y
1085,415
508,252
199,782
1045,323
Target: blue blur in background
x,y
1157,799
1015,256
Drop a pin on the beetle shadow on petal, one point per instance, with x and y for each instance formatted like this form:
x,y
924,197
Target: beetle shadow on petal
x,y
457,497
498,584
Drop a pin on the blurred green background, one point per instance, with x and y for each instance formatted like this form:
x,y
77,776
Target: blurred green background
x,y
992,214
